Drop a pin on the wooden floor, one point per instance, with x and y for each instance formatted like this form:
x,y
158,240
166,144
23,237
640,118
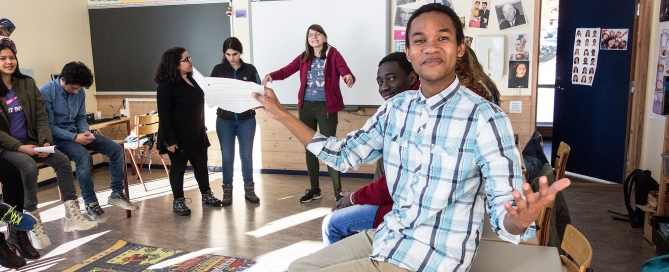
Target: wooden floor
x,y
280,229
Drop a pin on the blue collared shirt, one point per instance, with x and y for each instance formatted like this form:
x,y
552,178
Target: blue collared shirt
x,y
66,112
448,159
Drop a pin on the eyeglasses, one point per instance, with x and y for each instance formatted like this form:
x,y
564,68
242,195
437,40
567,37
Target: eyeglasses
x,y
313,35
187,59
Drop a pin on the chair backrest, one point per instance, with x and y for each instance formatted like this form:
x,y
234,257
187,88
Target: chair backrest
x,y
544,224
145,124
578,248
561,160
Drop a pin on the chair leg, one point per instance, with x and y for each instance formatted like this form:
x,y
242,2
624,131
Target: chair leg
x,y
139,174
165,165
128,213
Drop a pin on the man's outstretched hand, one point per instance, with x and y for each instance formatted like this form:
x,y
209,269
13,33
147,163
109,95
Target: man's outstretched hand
x,y
528,210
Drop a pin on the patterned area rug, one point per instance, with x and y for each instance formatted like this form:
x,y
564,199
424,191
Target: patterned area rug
x,y
126,256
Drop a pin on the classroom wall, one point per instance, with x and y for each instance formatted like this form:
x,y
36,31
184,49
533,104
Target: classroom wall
x,y
653,129
50,34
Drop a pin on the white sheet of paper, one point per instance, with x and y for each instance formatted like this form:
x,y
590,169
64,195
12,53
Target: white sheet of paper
x,y
47,149
231,94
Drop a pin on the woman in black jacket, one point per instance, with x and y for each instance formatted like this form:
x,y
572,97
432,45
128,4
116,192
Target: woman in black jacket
x,y
182,133
231,125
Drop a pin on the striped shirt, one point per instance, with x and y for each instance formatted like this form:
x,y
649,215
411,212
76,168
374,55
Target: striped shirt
x,y
444,157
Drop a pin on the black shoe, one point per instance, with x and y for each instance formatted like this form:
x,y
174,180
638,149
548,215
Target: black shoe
x,y
310,195
209,198
227,195
179,206
337,195
7,257
250,193
19,240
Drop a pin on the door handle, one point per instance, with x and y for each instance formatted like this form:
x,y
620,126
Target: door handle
x,y
559,88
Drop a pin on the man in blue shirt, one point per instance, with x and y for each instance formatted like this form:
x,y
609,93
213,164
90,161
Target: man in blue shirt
x,y
66,107
449,155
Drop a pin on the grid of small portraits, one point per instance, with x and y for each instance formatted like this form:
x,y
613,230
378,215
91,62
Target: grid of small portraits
x,y
586,50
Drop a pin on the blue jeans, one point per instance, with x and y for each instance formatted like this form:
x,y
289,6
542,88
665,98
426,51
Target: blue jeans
x,y
348,221
244,131
79,155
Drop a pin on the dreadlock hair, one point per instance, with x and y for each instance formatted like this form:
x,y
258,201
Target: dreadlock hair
x,y
401,59
17,73
471,75
168,68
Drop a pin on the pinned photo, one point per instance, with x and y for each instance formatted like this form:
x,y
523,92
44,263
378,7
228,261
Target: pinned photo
x,y
468,41
404,2
6,27
519,43
519,74
511,14
402,16
480,14
399,46
614,39
448,3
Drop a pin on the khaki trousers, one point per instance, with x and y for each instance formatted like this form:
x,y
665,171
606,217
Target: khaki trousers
x,y
350,254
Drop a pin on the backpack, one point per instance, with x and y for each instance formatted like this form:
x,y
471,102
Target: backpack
x,y
642,183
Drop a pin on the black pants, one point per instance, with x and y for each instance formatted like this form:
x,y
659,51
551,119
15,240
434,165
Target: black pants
x,y
12,185
178,169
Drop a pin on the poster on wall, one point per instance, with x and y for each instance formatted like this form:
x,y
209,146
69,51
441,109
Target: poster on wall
x,y
402,16
479,14
518,46
510,14
519,74
448,3
613,39
586,51
662,75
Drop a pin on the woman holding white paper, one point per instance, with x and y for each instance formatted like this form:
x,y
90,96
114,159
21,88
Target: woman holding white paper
x,y
231,125
182,134
24,126
319,96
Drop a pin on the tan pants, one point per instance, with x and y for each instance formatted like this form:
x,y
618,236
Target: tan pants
x,y
350,254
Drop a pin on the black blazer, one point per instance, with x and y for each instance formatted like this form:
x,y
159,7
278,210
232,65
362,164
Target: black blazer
x,y
520,20
181,111
245,72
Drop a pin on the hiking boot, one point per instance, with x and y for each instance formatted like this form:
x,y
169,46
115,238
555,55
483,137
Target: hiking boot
x,y
19,240
311,194
7,257
120,200
16,219
74,220
95,212
179,206
227,194
250,193
38,235
209,198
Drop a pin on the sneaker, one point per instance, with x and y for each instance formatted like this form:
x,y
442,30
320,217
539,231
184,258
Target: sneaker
x,y
7,257
95,212
120,200
179,206
38,235
310,195
74,220
16,219
209,198
18,239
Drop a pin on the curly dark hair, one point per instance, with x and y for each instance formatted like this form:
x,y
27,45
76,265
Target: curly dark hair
x,y
168,67
76,73
471,75
17,73
401,59
459,34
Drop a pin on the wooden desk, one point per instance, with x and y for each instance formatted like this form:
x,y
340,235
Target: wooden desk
x,y
489,235
494,256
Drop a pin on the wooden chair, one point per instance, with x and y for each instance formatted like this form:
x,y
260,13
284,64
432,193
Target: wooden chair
x,y
543,223
578,249
144,125
561,160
